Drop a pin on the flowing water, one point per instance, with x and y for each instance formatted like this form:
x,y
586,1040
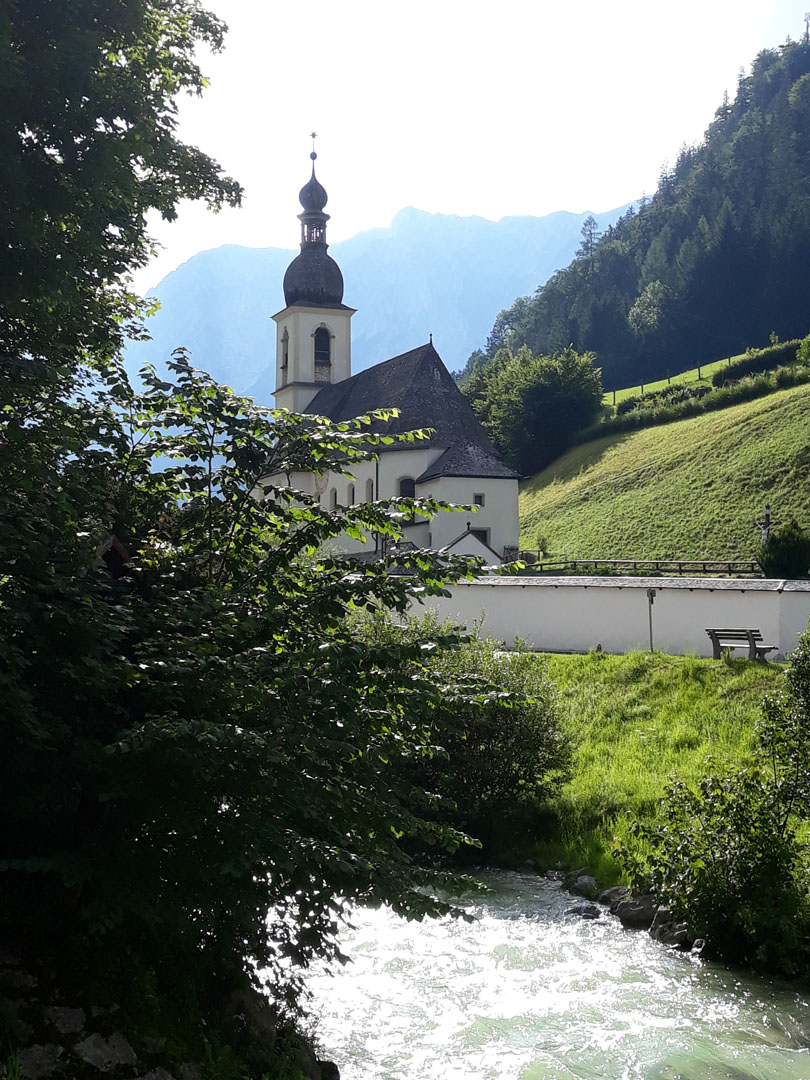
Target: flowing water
x,y
526,992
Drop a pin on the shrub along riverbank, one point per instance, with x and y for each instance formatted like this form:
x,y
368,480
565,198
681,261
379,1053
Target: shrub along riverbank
x,y
691,780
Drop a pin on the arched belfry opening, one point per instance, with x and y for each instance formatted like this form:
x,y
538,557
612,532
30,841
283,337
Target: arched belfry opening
x,y
322,343
285,355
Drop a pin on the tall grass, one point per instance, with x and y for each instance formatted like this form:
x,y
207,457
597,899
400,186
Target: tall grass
x,y
635,721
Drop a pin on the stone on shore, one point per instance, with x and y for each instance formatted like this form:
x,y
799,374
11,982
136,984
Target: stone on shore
x,y
585,885
637,913
105,1054
613,896
585,911
39,1061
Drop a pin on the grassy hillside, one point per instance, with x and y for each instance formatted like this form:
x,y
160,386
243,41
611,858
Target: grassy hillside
x,y
690,489
701,376
637,720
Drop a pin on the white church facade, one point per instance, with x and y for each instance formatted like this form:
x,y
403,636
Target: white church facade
x,y
458,464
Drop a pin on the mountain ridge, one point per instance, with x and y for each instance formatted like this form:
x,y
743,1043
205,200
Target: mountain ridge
x,y
425,273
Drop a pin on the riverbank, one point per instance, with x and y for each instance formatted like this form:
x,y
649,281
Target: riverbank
x,y
635,721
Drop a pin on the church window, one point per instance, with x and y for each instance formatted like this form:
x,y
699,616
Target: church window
x,y
478,500
285,356
350,496
322,346
333,499
369,490
323,359
407,490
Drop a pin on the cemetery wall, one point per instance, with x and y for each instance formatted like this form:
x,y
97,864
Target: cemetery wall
x,y
576,614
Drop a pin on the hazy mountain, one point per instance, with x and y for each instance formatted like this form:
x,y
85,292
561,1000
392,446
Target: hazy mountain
x,y
426,273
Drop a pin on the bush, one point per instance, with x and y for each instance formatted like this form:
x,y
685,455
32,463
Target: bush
x,y
757,360
786,553
499,726
728,856
650,410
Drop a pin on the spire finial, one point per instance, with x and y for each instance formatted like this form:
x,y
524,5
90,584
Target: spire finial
x,y
313,135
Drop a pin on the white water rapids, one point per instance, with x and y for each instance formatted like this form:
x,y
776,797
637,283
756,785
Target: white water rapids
x,y
528,993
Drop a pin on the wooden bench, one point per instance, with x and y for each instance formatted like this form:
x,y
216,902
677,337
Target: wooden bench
x,y
725,638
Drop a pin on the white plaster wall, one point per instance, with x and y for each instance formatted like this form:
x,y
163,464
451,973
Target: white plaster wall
x,y
575,615
471,545
398,463
793,617
499,513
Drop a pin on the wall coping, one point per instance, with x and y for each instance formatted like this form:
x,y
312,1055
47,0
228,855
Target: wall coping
x,y
702,584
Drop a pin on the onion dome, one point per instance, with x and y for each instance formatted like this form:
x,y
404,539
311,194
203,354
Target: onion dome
x,y
312,195
313,277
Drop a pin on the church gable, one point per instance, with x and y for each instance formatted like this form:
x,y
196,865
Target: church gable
x,y
419,385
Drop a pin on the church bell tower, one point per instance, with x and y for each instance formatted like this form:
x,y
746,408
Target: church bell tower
x,y
313,332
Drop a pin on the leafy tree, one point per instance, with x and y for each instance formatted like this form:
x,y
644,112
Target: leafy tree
x,y
502,759
532,406
786,552
649,311
87,148
195,736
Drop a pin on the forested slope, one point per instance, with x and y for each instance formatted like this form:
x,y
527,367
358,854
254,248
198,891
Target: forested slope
x,y
717,260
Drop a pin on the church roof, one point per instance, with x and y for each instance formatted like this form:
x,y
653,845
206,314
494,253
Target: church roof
x,y
467,459
420,386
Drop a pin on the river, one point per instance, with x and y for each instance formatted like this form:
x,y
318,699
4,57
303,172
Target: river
x,y
526,992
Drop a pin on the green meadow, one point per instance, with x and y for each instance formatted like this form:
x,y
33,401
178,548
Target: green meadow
x,y
690,489
701,376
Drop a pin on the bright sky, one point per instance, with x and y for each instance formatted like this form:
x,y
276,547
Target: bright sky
x,y
487,107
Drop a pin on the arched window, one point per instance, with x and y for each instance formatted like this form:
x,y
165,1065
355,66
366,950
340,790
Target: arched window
x,y
333,499
285,355
369,490
407,490
323,350
350,496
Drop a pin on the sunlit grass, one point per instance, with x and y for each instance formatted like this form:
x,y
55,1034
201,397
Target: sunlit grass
x,y
691,489
637,720
694,377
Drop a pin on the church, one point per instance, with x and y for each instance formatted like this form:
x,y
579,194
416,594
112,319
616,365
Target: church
x,y
457,464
